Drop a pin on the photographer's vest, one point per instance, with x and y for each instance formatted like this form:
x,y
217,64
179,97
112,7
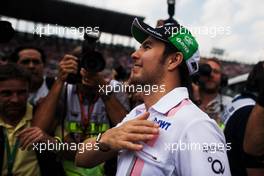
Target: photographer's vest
x,y
83,116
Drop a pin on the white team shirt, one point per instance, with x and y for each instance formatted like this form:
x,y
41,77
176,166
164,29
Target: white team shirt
x,y
181,123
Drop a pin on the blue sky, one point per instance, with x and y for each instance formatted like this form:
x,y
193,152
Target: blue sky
x,y
241,21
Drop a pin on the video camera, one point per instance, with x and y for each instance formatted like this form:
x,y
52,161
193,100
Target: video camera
x,y
90,59
206,71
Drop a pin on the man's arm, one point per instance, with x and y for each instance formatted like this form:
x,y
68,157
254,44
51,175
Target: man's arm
x,y
254,136
124,136
234,133
114,109
92,157
45,112
37,139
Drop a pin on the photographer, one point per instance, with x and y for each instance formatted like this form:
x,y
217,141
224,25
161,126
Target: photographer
x,y
210,83
84,111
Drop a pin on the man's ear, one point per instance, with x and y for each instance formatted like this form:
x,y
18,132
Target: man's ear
x,y
174,60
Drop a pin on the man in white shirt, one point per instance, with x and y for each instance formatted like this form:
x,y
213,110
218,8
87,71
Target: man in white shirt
x,y
33,59
168,134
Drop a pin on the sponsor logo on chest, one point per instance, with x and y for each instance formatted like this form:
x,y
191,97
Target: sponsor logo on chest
x,y
162,123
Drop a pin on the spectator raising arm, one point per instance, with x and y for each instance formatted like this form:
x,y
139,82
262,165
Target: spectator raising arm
x,y
46,111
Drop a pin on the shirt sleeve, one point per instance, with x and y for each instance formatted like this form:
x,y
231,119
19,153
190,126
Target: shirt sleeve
x,y
204,153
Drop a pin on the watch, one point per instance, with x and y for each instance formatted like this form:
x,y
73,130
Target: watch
x,y
102,146
106,96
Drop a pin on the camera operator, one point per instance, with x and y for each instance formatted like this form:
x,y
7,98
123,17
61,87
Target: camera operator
x,y
211,81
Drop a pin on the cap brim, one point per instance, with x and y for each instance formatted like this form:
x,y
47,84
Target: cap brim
x,y
141,31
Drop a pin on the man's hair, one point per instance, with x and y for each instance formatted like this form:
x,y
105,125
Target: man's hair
x,y
215,60
14,71
15,55
255,80
183,69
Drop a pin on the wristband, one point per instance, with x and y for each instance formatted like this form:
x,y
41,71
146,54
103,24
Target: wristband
x,y
58,139
102,147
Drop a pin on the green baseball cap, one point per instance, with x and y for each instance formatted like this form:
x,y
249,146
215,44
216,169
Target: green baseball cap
x,y
173,33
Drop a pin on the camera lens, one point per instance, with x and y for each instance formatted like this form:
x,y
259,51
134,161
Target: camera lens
x,y
93,61
205,70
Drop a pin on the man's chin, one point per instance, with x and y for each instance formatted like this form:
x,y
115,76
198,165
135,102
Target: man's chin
x,y
135,82
87,88
15,115
211,90
135,79
36,78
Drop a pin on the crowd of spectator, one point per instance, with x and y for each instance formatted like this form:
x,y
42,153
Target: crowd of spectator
x,y
115,55
40,105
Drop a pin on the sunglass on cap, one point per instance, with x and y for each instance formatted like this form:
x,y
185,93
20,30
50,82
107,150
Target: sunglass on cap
x,y
171,32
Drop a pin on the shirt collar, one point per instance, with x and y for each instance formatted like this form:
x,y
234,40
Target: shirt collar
x,y
171,99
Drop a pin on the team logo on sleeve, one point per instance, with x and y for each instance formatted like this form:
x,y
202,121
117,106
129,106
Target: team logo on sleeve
x,y
216,166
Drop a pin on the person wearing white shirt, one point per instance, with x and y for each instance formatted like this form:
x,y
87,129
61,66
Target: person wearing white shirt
x,y
168,134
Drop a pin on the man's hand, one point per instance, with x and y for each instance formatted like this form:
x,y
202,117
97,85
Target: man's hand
x,y
130,133
67,65
31,135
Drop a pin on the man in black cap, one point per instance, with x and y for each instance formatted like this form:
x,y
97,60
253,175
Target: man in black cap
x,y
168,134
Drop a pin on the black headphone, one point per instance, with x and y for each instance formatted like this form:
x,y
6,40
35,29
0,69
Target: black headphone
x,y
224,80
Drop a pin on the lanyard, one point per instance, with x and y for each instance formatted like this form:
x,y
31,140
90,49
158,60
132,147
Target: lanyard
x,y
86,117
10,154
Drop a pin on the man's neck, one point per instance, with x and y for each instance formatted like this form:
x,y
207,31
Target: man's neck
x,y
12,121
87,92
166,84
207,97
36,85
154,97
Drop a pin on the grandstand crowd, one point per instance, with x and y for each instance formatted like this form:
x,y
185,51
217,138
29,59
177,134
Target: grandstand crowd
x,y
55,47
